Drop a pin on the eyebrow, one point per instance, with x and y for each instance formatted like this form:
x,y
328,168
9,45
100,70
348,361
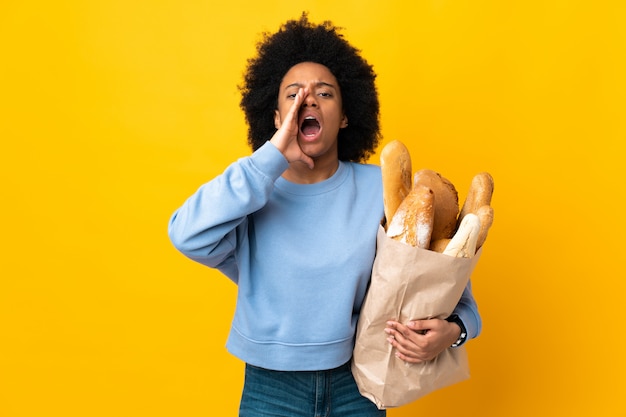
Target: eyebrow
x,y
317,84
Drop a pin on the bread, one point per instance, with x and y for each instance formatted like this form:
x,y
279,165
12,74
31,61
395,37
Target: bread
x,y
478,201
485,215
395,165
463,243
413,221
439,245
478,195
446,204
423,211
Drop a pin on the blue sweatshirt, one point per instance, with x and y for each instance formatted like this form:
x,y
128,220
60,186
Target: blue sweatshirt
x,y
301,255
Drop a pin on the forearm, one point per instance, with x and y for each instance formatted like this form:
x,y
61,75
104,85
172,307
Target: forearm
x,y
212,214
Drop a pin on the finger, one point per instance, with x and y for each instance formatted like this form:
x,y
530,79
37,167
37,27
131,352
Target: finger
x,y
401,328
404,346
420,326
408,344
395,325
404,352
413,340
400,340
408,359
292,115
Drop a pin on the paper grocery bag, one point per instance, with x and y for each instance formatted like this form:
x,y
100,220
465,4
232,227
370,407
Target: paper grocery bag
x,y
407,283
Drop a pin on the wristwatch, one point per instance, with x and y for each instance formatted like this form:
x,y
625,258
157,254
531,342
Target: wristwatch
x,y
463,336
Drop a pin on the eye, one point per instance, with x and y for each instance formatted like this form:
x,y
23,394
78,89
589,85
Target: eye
x,y
325,94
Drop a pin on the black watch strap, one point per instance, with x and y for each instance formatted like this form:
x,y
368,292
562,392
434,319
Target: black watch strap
x,y
463,336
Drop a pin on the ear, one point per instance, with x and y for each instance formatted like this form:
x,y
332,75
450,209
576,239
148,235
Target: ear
x,y
277,121
344,121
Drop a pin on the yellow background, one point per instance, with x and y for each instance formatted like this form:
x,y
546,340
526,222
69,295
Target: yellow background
x,y
112,112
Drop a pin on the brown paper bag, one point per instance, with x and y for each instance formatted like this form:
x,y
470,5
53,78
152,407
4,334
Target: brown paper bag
x,y
407,283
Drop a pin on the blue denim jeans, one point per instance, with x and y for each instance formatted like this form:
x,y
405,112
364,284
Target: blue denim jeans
x,y
330,393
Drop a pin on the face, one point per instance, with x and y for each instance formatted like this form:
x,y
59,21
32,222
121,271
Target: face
x,y
321,114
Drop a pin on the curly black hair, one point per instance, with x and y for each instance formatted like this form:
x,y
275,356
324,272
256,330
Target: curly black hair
x,y
302,41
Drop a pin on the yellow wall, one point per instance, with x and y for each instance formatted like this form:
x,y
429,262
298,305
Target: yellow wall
x,y
112,112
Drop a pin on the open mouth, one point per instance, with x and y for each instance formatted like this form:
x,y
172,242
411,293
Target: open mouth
x,y
310,126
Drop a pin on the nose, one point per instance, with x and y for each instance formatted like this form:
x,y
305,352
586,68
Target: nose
x,y
310,100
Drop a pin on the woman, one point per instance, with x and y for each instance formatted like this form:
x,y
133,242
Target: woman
x,y
294,226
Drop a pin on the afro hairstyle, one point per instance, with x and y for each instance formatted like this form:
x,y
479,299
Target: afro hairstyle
x,y
300,41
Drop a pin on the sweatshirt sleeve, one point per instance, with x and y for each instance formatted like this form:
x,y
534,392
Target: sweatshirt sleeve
x,y
467,310
204,228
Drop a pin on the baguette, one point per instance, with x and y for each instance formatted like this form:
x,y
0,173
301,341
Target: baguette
x,y
396,170
478,195
413,221
463,243
485,215
446,204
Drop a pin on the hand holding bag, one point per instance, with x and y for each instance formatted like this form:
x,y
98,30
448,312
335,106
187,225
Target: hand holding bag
x,y
408,283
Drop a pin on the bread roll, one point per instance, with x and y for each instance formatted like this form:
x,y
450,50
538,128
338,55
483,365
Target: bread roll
x,y
463,243
395,165
413,221
446,204
478,195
